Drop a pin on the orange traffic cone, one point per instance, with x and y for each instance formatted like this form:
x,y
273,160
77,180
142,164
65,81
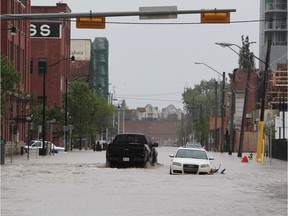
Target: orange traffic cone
x,y
244,159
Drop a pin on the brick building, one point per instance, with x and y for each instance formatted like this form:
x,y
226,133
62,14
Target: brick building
x,y
163,132
17,50
50,46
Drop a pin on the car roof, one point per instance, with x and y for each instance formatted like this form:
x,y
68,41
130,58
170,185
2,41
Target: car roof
x,y
191,148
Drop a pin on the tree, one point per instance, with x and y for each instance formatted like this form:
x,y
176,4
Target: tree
x,y
10,80
88,112
198,104
244,56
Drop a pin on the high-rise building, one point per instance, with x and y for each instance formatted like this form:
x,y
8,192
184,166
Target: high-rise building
x,y
274,28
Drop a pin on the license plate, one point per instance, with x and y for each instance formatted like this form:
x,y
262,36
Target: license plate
x,y
126,159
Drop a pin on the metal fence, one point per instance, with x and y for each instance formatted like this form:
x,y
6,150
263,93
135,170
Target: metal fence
x,y
279,149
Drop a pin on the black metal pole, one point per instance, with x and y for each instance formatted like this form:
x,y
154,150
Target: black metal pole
x,y
215,117
232,107
262,111
43,150
222,112
66,122
283,112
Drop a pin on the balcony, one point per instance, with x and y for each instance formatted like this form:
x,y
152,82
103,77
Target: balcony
x,y
276,7
276,26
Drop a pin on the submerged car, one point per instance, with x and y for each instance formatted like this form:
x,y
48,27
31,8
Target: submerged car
x,y
37,144
191,161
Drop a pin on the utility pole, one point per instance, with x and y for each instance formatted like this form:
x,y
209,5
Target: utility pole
x,y
263,93
215,116
222,113
232,108
243,123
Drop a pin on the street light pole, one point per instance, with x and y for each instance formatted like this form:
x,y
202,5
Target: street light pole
x,y
66,112
216,117
42,151
222,105
261,123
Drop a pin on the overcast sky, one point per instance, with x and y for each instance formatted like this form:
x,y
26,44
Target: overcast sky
x,y
153,63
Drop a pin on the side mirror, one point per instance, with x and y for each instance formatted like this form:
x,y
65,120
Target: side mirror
x,y
171,155
155,144
211,158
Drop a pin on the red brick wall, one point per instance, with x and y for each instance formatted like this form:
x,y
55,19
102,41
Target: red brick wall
x,y
163,132
54,49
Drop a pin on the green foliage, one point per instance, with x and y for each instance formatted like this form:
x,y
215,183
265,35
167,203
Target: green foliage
x,y
244,56
87,111
199,103
10,80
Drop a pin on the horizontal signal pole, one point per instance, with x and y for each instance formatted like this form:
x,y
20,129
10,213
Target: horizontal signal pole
x,y
38,16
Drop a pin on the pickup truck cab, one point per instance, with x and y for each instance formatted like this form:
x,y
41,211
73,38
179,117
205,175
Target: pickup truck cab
x,y
131,149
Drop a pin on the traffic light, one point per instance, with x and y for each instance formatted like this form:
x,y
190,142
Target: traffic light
x,y
215,17
93,22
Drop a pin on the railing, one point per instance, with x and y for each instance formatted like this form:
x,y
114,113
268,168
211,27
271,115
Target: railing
x,y
276,6
276,25
279,43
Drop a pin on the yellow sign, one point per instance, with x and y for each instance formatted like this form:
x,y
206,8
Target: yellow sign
x,y
94,22
217,17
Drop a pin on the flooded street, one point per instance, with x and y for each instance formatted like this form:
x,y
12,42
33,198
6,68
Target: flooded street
x,y
78,183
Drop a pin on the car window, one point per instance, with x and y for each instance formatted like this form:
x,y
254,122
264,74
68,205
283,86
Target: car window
x,y
38,144
185,153
193,145
130,139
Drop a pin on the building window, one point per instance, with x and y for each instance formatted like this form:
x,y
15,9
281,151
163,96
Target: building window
x,y
31,66
23,2
42,66
41,99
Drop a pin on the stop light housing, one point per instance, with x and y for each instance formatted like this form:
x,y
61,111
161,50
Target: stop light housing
x,y
93,22
215,17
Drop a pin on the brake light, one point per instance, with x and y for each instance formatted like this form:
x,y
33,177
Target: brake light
x,y
144,151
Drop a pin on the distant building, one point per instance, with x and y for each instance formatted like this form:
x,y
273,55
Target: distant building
x,y
274,28
148,113
81,68
99,79
171,112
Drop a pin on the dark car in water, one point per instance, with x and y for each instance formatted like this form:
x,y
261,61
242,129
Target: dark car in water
x,y
131,149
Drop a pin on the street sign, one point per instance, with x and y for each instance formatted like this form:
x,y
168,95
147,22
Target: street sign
x,y
65,128
159,8
93,22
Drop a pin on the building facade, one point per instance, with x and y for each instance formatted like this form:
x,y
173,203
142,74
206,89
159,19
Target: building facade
x,y
99,79
274,12
81,50
50,55
171,112
16,48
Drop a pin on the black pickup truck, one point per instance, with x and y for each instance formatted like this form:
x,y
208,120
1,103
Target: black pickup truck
x,y
131,149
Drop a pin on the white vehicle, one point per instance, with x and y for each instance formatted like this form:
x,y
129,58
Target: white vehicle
x,y
37,144
190,161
